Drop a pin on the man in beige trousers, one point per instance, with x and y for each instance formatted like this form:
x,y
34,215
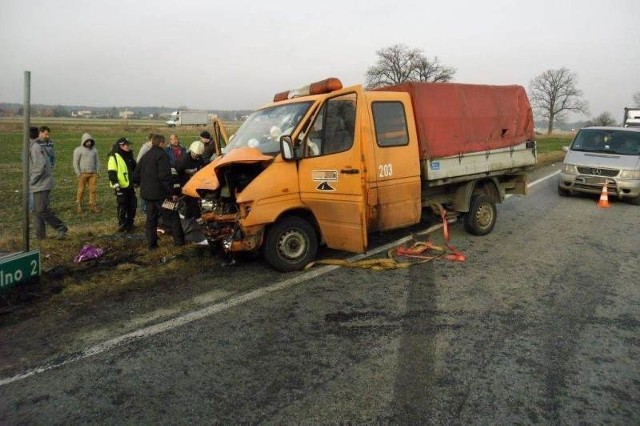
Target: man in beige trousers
x,y
86,164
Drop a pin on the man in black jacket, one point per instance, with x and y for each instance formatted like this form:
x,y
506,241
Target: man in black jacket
x,y
153,174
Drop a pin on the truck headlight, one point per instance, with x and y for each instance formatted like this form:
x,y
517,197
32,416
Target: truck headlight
x,y
206,205
630,174
569,169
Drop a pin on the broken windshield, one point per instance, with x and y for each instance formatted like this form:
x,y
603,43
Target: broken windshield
x,y
263,128
621,142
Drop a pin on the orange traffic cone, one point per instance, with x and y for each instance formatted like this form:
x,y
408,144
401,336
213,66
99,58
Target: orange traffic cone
x,y
604,197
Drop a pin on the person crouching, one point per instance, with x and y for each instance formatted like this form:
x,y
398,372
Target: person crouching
x,y
120,168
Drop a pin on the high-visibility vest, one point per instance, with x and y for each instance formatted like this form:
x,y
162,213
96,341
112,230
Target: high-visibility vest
x,y
117,164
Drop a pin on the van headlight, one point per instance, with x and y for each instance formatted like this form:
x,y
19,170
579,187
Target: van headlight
x,y
630,174
569,169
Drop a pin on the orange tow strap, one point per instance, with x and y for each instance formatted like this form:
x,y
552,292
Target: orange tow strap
x,y
455,255
420,252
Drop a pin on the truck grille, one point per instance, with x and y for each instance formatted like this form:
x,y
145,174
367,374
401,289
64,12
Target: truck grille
x,y
596,171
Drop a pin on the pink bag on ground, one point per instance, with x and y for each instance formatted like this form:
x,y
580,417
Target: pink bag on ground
x,y
88,252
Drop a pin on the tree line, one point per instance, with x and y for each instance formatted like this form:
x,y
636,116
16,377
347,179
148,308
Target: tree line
x,y
553,93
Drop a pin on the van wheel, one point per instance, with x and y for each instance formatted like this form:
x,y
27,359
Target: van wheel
x,y
482,215
563,192
290,244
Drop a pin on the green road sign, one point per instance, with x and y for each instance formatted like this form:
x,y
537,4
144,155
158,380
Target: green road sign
x,y
18,268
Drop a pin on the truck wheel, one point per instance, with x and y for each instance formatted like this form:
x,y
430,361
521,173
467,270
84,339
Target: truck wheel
x,y
635,201
482,215
290,244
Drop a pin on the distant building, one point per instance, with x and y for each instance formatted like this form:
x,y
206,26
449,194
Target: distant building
x,y
81,113
126,114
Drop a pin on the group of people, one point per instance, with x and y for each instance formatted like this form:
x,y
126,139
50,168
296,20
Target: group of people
x,y
159,171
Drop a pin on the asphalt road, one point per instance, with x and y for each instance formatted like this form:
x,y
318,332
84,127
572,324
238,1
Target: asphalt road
x,y
539,325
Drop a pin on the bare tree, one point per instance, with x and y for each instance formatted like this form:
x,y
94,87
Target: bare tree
x,y
604,119
431,70
636,99
398,63
554,93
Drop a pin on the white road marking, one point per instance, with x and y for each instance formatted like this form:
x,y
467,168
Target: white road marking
x,y
535,182
215,308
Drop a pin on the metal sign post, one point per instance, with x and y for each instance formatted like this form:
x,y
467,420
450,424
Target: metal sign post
x,y
25,162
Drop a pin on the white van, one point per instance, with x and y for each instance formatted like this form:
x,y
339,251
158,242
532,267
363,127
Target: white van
x,y
603,154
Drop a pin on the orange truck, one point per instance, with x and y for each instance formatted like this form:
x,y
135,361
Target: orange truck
x,y
329,165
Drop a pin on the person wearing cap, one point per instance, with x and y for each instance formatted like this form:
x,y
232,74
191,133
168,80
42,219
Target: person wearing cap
x,y
121,167
157,184
86,164
186,167
209,147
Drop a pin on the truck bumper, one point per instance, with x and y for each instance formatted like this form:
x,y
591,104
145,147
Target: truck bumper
x,y
231,234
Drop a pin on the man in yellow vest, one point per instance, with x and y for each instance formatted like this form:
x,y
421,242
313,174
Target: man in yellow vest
x,y
120,169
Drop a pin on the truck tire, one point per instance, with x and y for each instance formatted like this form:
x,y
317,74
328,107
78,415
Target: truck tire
x,y
635,201
482,215
290,244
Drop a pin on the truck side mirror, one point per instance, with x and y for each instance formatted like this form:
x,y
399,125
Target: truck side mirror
x,y
286,148
565,149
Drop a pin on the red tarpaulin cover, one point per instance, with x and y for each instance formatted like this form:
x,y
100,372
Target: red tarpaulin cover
x,y
454,119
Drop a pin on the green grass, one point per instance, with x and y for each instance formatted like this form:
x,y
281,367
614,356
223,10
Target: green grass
x,y
553,143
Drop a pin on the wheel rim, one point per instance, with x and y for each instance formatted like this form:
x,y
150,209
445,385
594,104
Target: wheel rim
x,y
484,216
292,245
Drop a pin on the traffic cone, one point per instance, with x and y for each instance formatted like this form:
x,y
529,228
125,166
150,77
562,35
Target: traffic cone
x,y
604,197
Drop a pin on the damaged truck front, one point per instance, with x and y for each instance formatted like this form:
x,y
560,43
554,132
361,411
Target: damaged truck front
x,y
328,165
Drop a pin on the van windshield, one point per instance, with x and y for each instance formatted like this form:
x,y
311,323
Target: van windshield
x,y
619,142
263,128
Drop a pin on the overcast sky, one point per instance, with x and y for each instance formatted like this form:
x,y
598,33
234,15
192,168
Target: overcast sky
x,y
236,54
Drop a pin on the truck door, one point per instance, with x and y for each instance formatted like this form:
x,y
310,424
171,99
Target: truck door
x,y
331,173
219,136
391,153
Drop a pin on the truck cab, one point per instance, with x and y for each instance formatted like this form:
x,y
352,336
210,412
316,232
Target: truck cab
x,y
631,117
174,120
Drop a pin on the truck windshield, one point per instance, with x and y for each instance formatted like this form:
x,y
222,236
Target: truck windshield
x,y
263,128
619,142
